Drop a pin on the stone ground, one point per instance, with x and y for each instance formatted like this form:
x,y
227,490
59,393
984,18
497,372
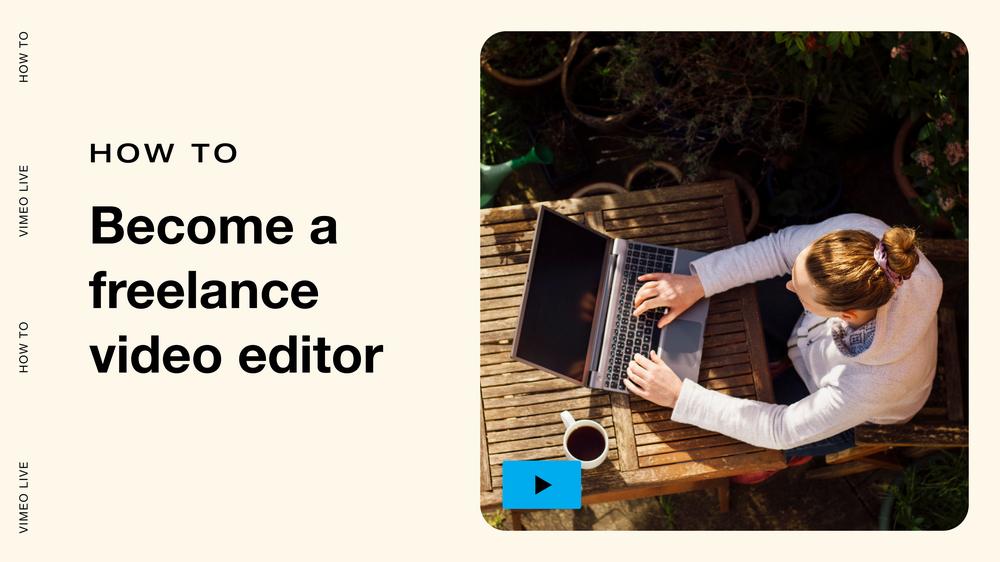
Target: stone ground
x,y
787,501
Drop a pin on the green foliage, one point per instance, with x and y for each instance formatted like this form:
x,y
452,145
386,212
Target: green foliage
x,y
928,82
698,90
496,519
933,495
501,128
808,46
525,54
669,511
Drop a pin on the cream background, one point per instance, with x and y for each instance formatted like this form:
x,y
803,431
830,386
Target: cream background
x,y
368,113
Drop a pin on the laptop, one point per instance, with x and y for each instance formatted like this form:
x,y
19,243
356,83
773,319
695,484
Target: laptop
x,y
576,313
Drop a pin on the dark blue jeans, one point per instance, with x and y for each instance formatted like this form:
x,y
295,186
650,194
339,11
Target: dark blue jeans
x,y
780,310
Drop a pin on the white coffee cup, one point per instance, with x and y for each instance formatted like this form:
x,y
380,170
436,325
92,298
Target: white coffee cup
x,y
573,425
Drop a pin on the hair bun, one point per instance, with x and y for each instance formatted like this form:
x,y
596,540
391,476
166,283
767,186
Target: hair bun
x,y
901,250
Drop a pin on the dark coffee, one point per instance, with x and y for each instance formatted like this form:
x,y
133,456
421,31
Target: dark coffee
x,y
585,443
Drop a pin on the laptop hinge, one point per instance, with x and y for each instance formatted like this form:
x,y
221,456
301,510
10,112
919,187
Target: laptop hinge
x,y
604,306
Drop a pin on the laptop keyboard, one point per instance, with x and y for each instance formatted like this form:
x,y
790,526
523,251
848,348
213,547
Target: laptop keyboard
x,y
635,334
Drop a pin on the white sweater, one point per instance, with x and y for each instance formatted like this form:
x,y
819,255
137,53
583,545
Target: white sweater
x,y
885,384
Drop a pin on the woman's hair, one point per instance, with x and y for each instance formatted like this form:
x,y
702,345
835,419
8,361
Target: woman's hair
x,y
842,265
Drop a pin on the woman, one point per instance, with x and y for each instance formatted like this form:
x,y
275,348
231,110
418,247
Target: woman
x,y
864,348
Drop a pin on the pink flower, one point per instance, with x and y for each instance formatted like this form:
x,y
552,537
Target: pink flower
x,y
960,50
954,152
946,119
946,203
925,159
902,51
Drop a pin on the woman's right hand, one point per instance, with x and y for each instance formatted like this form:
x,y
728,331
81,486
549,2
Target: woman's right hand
x,y
675,292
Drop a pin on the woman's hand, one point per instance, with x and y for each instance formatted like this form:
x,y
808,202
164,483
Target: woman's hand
x,y
652,379
676,292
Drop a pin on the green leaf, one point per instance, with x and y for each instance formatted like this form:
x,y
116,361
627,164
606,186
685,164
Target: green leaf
x,y
833,39
926,131
779,36
809,60
855,38
800,44
848,49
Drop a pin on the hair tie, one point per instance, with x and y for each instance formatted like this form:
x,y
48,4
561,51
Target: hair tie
x,y
881,258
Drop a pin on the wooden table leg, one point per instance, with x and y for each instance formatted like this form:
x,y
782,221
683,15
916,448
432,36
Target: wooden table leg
x,y
515,520
723,491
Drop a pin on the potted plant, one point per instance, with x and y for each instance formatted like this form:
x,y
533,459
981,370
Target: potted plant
x,y
927,86
525,59
931,494
596,89
697,91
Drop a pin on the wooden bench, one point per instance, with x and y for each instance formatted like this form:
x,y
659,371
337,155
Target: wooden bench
x,y
941,423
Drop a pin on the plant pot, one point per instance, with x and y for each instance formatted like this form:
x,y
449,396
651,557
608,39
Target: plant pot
x,y
599,188
532,82
903,181
605,123
650,166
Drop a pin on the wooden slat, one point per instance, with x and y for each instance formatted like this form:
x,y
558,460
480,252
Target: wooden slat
x,y
513,378
546,407
500,336
658,448
501,292
485,478
502,270
558,428
654,219
537,398
510,259
945,434
502,368
622,416
948,359
613,215
506,302
494,358
542,386
714,225
512,280
584,411
501,324
854,453
646,432
493,348
696,454
733,349
715,340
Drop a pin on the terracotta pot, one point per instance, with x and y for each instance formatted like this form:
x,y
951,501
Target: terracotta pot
x,y
570,72
653,165
905,186
599,188
750,193
532,82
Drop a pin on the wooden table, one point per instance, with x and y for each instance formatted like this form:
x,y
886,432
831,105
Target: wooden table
x,y
649,454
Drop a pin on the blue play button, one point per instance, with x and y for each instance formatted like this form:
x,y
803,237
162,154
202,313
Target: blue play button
x,y
541,484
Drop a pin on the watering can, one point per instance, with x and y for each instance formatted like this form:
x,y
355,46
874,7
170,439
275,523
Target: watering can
x,y
490,177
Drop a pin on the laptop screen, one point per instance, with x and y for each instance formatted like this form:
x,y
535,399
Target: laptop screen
x,y
557,313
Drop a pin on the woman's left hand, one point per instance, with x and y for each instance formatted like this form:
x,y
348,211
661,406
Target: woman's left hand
x,y
651,378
